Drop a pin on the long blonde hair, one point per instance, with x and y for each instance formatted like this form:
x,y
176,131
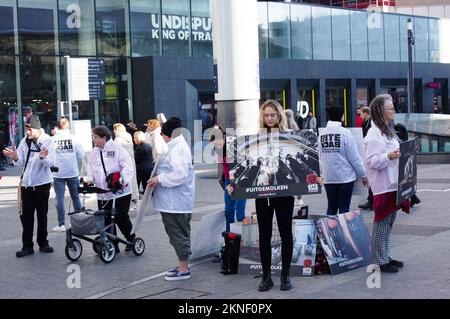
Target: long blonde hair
x,y
282,124
119,128
290,120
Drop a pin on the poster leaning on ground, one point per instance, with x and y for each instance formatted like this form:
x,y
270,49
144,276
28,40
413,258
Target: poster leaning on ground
x,y
345,240
304,251
407,170
273,165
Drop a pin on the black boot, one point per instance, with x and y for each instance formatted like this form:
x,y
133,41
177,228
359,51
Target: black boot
x,y
285,280
266,283
367,205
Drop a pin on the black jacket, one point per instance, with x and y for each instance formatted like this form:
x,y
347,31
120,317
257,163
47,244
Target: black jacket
x,y
365,126
143,156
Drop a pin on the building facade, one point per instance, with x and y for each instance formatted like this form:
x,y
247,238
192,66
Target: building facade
x,y
158,57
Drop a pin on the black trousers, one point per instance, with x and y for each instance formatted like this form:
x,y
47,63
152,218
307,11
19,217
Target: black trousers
x,y
370,196
142,176
283,207
122,217
35,198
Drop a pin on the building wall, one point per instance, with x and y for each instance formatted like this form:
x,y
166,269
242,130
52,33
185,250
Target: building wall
x,y
173,89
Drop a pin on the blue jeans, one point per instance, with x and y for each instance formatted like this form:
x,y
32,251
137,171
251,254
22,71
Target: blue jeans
x,y
233,208
59,185
339,197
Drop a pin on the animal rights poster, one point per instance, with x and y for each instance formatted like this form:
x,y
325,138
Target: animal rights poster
x,y
272,165
407,170
303,256
345,240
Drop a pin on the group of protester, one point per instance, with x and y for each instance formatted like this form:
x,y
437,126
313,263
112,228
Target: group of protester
x,y
341,165
56,160
173,181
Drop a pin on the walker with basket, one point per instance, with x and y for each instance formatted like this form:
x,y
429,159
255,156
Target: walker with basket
x,y
87,222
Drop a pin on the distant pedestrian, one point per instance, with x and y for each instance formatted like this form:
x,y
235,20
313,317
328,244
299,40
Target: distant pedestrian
x,y
292,125
359,119
155,139
131,128
365,115
143,158
126,140
234,209
310,122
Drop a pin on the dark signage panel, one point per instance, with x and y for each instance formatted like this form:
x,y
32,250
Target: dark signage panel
x,y
96,71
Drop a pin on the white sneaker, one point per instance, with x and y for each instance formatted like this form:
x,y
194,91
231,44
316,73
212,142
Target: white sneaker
x,y
60,229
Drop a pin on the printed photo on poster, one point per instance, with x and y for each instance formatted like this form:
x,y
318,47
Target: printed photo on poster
x,y
345,240
304,248
407,170
272,165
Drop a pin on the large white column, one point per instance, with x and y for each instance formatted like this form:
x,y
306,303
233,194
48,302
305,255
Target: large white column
x,y
235,48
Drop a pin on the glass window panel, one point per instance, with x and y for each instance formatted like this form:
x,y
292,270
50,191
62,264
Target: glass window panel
x,y
392,37
301,32
9,129
76,27
175,27
341,34
81,110
112,27
447,12
201,28
145,33
404,39
321,26
434,40
38,80
375,36
358,21
279,35
7,26
115,108
421,39
36,21
263,30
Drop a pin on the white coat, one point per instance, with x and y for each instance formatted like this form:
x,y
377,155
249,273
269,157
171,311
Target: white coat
x,y
116,159
176,190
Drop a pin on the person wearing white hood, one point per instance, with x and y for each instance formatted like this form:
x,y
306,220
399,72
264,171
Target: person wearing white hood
x,y
174,194
154,138
124,138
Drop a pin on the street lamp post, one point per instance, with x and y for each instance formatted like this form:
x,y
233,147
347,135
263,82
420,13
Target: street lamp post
x,y
410,67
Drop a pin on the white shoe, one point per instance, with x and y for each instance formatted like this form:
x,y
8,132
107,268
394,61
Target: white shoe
x,y
60,229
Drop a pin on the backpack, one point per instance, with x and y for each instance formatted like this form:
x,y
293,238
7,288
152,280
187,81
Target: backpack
x,y
229,253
